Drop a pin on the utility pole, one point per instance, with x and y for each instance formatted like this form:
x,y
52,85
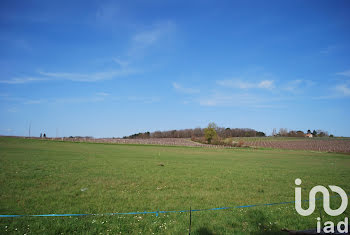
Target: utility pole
x,y
30,126
189,229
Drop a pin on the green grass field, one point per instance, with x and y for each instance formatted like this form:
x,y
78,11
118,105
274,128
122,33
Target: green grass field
x,y
45,177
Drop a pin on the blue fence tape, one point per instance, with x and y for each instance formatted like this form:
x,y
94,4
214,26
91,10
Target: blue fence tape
x,y
161,212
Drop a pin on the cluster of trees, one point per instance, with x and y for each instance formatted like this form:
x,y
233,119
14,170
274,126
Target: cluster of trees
x,y
211,137
80,137
222,132
199,132
140,135
292,133
319,133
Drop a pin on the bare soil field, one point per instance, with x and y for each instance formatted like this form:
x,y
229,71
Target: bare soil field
x,y
154,141
341,145
323,145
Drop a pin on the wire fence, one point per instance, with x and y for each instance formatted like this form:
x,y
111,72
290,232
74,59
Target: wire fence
x,y
164,212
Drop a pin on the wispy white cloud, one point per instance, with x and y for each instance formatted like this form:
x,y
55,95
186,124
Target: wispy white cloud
x,y
75,77
39,101
101,97
186,90
344,73
246,100
338,91
154,33
343,89
147,37
92,98
8,130
151,36
16,99
102,94
298,85
225,99
121,63
78,100
237,83
236,100
12,110
92,77
293,85
139,42
23,80
266,84
144,99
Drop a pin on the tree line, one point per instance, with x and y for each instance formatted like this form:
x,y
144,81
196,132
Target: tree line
x,y
225,132
199,132
293,133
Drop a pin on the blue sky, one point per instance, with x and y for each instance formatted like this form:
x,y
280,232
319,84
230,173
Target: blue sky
x,y
109,68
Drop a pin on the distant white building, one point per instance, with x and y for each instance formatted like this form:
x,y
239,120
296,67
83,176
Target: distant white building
x,y
309,135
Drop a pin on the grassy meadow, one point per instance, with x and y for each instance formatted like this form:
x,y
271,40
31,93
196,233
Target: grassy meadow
x,y
46,177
